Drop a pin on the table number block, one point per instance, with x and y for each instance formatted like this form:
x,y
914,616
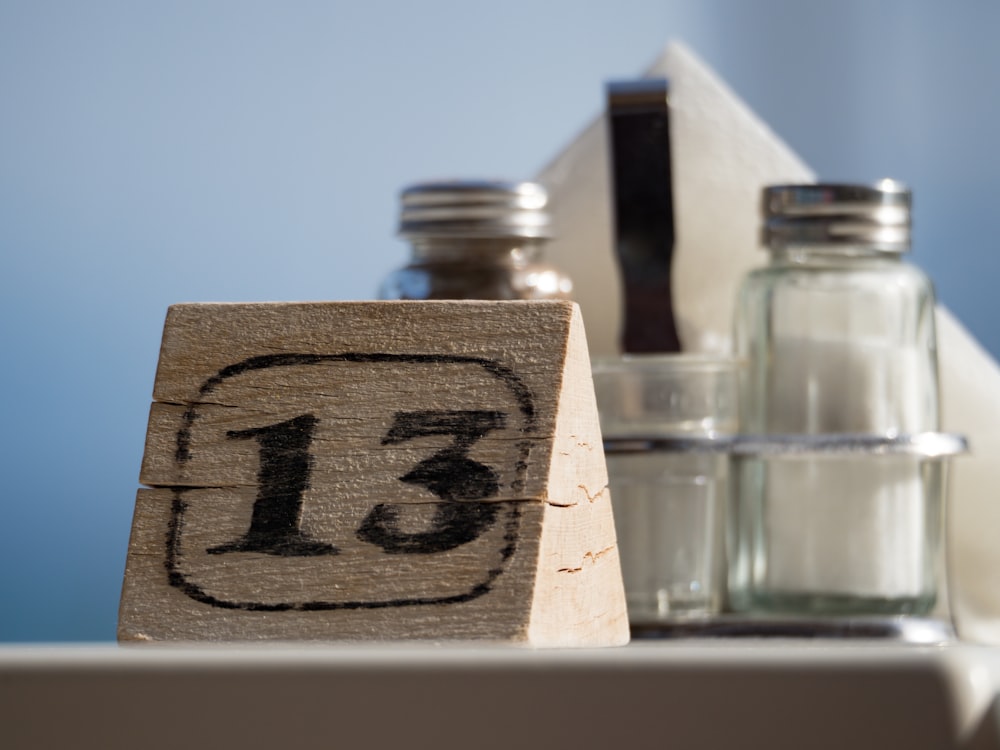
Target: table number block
x,y
374,471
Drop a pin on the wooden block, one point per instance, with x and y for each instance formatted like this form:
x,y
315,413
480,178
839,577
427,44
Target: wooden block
x,y
374,471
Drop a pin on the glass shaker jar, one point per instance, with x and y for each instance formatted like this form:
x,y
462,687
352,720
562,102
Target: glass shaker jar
x,y
666,420
838,337
475,240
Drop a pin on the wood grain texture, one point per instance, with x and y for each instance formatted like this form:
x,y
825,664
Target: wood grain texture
x,y
391,470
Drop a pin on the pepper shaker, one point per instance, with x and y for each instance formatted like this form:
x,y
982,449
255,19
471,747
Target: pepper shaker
x,y
475,239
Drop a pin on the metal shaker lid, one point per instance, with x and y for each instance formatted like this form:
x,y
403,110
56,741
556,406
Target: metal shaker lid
x,y
874,216
474,208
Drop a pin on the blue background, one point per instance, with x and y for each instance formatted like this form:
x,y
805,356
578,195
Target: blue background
x,y
153,153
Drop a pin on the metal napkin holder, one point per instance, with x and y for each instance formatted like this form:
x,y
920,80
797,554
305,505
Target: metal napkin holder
x,y
929,445
924,445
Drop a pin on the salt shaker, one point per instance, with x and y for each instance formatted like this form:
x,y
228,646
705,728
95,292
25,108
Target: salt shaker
x,y
838,336
475,239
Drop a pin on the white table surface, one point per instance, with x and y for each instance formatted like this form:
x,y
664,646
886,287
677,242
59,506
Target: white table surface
x,y
684,693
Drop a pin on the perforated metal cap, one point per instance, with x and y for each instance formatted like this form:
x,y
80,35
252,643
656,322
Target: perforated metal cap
x,y
874,216
474,208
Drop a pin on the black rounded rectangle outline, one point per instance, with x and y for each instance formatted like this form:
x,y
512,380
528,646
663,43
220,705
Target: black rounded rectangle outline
x,y
525,402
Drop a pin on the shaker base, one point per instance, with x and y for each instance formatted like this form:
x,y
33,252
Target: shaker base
x,y
917,630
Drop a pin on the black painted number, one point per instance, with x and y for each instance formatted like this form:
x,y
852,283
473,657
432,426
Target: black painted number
x,y
285,466
450,474
461,482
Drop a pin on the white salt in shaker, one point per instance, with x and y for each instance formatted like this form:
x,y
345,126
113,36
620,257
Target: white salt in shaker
x,y
838,336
